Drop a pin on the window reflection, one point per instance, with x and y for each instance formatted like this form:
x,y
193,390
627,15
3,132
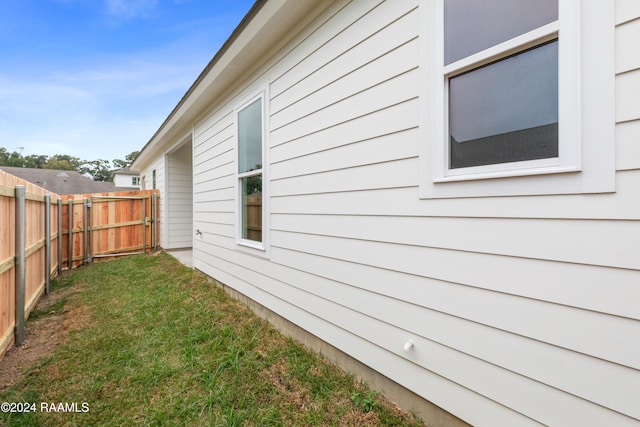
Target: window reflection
x,y
474,25
506,111
252,208
250,137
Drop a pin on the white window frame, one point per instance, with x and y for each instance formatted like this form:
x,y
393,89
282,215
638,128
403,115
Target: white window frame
x,y
252,246
586,162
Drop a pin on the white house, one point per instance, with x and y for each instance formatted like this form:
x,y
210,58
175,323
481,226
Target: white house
x,y
125,177
444,195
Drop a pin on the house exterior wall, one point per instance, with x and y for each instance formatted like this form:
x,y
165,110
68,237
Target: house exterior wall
x,y
522,310
146,181
120,180
179,183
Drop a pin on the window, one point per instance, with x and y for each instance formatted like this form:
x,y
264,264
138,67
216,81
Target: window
x,y
135,181
506,111
500,73
504,97
251,158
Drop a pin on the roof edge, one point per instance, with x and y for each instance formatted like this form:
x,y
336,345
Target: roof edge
x,y
255,9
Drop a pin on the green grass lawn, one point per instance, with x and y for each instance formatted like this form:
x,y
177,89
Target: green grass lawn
x,y
153,343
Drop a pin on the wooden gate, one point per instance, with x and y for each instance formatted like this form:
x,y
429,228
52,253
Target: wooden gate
x,y
118,225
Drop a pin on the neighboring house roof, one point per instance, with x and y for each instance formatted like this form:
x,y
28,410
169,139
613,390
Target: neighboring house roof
x,y
60,181
125,171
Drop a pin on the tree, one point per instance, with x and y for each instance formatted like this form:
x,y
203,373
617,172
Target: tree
x,y
35,161
129,158
100,170
14,158
63,162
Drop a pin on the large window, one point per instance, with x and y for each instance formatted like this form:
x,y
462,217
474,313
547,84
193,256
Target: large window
x,y
500,74
506,86
250,130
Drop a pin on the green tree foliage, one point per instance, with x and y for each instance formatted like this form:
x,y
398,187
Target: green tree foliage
x,y
35,161
129,158
99,169
63,162
14,158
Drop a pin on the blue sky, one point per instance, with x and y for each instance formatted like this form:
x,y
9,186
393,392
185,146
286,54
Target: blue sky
x,y
95,78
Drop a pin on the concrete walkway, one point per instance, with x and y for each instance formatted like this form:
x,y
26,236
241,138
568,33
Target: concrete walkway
x,y
185,256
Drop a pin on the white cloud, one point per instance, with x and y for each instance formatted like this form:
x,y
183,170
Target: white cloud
x,y
104,104
104,109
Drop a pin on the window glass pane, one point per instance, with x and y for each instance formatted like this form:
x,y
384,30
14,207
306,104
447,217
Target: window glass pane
x,y
250,137
506,111
475,25
252,208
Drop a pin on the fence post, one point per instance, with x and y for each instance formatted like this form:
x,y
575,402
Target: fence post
x,y
144,225
59,235
20,264
91,229
155,221
84,231
47,243
70,242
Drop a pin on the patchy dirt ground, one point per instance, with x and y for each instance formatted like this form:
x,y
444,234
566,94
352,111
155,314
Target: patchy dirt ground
x,y
42,336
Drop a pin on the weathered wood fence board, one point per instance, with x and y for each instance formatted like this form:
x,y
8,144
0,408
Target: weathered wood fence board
x,y
253,214
80,229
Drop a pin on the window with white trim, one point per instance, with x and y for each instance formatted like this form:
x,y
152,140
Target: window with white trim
x,y
505,84
250,145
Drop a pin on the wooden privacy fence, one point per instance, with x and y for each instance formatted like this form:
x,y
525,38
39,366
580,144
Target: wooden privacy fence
x,y
109,224
253,217
42,233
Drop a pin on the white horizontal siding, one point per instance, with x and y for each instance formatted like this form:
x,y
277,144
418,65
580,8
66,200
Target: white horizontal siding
x,y
147,174
627,95
339,34
627,36
402,144
386,93
222,162
627,10
180,198
618,245
393,118
214,182
351,72
556,367
419,314
521,308
400,173
627,85
622,205
588,332
628,145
